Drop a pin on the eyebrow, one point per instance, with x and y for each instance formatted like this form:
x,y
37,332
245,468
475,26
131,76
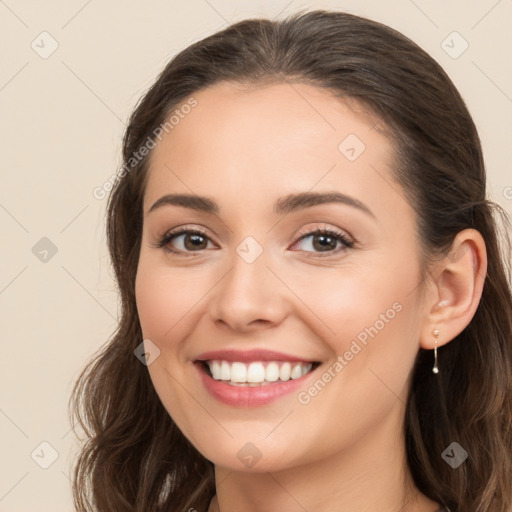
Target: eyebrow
x,y
283,205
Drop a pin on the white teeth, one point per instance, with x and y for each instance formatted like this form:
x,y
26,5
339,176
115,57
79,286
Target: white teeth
x,y
238,372
215,369
285,371
272,372
257,373
225,371
296,371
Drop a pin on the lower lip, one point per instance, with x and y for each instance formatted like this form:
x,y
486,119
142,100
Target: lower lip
x,y
246,396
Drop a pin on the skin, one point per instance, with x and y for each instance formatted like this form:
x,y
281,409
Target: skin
x,y
245,147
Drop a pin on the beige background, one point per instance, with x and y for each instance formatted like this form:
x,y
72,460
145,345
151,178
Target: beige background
x,y
62,121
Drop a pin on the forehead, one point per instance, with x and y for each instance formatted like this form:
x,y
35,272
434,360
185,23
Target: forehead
x,y
250,142
282,112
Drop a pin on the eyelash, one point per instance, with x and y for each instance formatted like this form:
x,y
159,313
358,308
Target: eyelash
x,y
167,237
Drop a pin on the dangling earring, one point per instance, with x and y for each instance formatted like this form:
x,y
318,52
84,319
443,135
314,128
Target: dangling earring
x,y
435,368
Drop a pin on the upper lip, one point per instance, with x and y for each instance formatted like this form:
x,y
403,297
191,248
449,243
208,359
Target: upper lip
x,y
250,356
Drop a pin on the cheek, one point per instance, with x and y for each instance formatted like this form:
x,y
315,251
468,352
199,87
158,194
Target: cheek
x,y
156,306
369,318
165,308
165,299
346,301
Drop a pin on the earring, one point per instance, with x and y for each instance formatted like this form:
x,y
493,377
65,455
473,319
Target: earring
x,y
435,368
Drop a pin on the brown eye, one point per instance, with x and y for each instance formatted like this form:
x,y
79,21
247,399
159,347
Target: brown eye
x,y
194,241
184,241
325,241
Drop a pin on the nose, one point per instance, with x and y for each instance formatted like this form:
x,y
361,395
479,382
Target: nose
x,y
249,297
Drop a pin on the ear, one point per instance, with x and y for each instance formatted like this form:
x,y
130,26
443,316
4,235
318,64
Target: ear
x,y
457,284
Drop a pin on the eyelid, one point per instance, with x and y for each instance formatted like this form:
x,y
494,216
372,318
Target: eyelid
x,y
164,239
347,240
325,227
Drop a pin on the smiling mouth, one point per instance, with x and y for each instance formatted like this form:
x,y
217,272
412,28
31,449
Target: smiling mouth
x,y
257,373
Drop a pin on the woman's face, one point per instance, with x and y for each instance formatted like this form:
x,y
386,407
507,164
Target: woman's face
x,y
262,291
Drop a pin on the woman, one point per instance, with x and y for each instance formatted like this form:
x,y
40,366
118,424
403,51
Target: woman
x,y
315,313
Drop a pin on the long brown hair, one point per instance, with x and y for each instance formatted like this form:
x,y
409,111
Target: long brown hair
x,y
134,457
